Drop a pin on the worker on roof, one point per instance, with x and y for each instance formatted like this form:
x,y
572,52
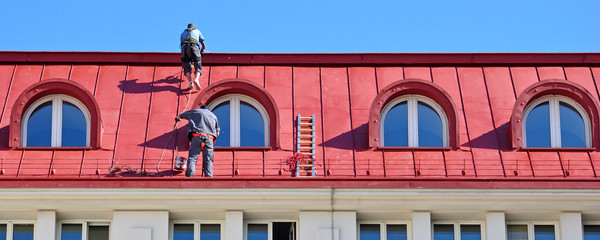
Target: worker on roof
x,y
203,130
191,54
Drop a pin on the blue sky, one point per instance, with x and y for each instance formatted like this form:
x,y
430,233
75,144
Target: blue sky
x,y
305,26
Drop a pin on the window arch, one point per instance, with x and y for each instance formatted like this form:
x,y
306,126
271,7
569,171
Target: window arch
x,y
250,96
244,121
413,121
421,98
546,121
56,121
39,111
540,112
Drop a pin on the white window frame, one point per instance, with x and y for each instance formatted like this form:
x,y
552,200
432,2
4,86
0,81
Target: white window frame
x,y
554,109
530,228
413,118
383,228
57,107
196,228
10,225
234,116
269,227
588,223
457,225
85,224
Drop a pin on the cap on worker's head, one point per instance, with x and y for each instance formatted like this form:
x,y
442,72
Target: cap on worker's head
x,y
191,25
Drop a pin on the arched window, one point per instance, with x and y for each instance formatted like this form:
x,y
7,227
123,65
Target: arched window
x,y
56,121
413,121
556,121
244,122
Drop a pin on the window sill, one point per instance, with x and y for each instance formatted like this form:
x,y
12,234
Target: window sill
x,y
243,148
54,148
414,148
546,149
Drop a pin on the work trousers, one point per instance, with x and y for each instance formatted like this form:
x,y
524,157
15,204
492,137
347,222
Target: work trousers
x,y
207,156
190,54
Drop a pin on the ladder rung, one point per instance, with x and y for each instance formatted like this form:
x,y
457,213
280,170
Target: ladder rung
x,y
305,136
306,124
305,148
310,154
306,118
306,130
306,165
306,142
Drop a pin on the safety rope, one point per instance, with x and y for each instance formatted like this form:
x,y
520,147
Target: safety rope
x,y
173,132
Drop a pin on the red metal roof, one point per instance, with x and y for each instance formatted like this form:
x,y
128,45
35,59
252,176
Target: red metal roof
x,y
140,93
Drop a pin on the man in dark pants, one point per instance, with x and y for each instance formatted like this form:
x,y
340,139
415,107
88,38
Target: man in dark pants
x,y
191,54
203,130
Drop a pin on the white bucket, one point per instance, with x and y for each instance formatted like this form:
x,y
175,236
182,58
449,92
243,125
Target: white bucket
x,y
180,164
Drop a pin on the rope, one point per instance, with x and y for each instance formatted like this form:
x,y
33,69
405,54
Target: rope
x,y
173,133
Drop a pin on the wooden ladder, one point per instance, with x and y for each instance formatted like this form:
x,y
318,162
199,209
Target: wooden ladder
x,y
305,144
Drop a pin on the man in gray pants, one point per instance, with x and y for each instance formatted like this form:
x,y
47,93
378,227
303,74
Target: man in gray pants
x,y
203,130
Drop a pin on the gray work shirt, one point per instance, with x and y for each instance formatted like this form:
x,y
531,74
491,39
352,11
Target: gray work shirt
x,y
202,121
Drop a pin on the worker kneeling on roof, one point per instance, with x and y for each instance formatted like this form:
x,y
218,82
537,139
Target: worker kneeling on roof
x,y
203,130
191,54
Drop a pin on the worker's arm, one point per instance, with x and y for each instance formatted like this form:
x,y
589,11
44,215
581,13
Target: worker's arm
x,y
203,46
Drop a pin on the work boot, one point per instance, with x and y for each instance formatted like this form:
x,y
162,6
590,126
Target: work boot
x,y
190,87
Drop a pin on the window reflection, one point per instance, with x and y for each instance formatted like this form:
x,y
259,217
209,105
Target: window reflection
x,y
574,134
252,128
243,122
538,126
39,126
396,126
430,127
223,115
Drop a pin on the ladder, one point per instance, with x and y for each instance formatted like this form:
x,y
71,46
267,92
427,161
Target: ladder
x,y
305,144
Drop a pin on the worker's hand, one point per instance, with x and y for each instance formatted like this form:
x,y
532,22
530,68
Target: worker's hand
x,y
177,119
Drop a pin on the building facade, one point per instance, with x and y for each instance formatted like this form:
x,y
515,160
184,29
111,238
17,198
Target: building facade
x,y
394,146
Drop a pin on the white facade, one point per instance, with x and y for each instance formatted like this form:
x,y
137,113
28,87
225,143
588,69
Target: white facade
x,y
316,213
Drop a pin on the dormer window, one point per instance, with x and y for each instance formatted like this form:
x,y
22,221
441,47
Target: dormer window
x,y
556,121
56,121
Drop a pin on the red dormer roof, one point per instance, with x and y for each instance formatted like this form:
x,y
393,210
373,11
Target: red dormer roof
x,y
139,94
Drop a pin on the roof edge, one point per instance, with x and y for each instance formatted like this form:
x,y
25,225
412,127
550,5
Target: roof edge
x,y
173,58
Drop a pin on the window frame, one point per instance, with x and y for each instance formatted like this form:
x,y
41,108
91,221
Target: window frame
x,y
554,118
457,224
197,225
383,228
531,229
234,115
413,121
588,223
269,227
10,227
85,224
56,125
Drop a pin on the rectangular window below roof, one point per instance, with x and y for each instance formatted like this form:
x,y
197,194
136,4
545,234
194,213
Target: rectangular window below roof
x,y
98,233
3,231
591,232
23,232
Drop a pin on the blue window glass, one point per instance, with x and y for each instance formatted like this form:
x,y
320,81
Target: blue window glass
x,y
591,232
98,233
370,232
210,232
538,126
396,126
544,232
23,232
396,232
183,232
74,126
572,132
470,232
252,127
258,232
516,232
39,126
3,231
223,113
443,232
430,127
71,232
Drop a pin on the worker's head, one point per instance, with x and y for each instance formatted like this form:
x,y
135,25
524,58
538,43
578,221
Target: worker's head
x,y
191,26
